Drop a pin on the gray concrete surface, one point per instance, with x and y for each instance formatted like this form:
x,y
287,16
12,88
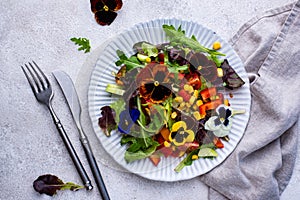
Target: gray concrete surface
x,y
29,143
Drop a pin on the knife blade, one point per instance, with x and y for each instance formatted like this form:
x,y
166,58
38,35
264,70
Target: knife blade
x,y
69,91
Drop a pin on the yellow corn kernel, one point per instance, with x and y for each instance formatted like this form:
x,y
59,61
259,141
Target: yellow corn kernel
x,y
202,116
187,104
178,99
226,102
195,157
192,100
190,89
148,60
181,153
167,144
199,102
197,115
196,93
173,115
216,45
181,106
186,87
220,72
195,107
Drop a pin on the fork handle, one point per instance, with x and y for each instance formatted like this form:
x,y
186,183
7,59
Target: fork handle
x,y
72,152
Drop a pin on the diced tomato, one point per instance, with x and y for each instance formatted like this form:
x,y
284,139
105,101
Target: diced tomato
x,y
155,159
184,94
166,151
161,58
189,146
218,143
221,96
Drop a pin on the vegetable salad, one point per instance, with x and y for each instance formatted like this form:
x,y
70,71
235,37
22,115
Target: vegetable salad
x,y
172,100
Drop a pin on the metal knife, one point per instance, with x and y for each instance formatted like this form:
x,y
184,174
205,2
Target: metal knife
x,y
68,89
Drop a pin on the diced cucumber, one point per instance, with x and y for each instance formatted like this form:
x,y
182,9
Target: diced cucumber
x,y
114,89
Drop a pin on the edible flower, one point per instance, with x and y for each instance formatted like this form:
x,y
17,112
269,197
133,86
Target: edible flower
x,y
104,10
154,82
180,135
221,124
206,67
127,119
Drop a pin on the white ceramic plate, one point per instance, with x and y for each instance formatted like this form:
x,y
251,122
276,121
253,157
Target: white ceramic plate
x,y
102,75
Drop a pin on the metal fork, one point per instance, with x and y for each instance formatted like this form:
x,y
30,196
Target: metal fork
x,y
42,90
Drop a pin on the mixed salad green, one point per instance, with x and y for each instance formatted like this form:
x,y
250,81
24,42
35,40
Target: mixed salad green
x,y
171,100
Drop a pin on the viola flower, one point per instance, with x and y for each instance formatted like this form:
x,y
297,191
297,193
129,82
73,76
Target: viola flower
x,y
221,124
127,119
180,135
154,82
207,68
105,10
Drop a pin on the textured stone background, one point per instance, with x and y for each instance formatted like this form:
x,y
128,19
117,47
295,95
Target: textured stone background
x,y
29,143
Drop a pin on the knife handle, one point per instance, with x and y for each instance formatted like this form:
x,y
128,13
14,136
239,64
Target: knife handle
x,y
94,167
72,152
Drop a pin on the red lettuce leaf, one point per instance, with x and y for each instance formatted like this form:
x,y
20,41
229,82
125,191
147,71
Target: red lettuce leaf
x,y
230,77
107,121
49,184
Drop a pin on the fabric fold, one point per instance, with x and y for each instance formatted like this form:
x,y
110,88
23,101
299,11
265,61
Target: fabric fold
x,y
262,163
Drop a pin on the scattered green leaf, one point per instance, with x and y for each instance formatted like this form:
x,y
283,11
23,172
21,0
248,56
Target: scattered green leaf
x,y
83,43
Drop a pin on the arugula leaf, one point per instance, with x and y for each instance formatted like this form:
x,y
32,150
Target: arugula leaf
x,y
49,184
141,154
149,49
178,38
131,62
187,161
83,43
139,148
118,107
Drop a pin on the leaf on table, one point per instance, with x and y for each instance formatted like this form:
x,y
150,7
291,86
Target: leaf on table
x,y
50,184
83,43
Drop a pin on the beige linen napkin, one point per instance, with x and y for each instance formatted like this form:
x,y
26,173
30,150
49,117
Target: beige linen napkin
x,y
262,164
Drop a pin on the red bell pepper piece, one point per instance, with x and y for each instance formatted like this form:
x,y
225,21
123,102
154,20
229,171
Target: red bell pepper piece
x,y
208,93
195,81
209,106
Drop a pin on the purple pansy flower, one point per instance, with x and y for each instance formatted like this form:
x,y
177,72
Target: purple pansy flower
x,y
127,119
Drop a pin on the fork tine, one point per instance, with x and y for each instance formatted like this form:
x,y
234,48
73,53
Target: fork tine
x,y
36,77
30,79
43,75
37,72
